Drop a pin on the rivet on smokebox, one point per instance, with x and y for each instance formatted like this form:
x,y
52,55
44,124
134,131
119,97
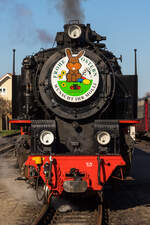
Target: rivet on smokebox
x,y
37,159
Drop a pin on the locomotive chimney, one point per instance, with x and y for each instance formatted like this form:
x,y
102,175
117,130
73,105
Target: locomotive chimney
x,y
14,61
135,61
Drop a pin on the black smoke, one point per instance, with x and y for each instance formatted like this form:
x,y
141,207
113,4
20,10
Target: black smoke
x,y
44,36
24,16
25,23
71,10
23,27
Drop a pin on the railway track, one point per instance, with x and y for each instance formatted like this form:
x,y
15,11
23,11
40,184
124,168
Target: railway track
x,y
85,216
6,147
52,217
8,143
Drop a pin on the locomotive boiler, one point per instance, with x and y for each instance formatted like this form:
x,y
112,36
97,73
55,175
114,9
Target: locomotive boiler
x,y
77,114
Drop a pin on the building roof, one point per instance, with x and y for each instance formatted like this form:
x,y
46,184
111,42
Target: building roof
x,y
9,75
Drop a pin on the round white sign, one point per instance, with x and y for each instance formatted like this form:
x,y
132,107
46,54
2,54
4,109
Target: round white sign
x,y
75,78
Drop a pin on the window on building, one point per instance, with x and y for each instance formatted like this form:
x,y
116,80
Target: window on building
x,y
3,91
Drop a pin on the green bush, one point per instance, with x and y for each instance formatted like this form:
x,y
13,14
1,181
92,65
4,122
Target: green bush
x,y
4,133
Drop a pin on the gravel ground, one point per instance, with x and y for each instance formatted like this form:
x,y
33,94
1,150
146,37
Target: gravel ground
x,y
18,202
128,206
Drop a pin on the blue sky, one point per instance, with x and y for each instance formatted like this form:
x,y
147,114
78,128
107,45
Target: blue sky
x,y
125,23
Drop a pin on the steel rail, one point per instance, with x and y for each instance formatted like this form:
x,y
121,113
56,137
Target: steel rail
x,y
6,148
71,217
38,219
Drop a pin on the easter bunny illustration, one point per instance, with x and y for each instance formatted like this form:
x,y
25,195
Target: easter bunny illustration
x,y
73,65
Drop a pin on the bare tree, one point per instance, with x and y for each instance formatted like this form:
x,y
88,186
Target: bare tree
x,y
147,94
5,109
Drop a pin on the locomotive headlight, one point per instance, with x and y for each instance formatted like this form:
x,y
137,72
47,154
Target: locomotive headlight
x,y
74,31
46,137
103,138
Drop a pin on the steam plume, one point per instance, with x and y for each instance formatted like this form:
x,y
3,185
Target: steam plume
x,y
71,9
44,36
23,25
25,20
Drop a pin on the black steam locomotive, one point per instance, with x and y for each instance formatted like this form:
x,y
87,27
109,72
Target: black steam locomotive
x,y
78,113
96,92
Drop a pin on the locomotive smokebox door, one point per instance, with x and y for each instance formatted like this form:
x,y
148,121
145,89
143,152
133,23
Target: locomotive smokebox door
x,y
76,84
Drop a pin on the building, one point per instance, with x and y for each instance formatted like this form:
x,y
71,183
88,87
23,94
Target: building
x,y
6,93
141,107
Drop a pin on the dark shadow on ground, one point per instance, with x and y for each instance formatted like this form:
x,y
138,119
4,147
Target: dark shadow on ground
x,y
135,193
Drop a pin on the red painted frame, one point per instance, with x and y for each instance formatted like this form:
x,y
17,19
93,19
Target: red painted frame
x,y
129,121
29,121
87,165
20,121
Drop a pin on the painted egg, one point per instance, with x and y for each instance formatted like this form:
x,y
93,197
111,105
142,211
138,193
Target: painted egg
x,y
86,81
80,80
83,78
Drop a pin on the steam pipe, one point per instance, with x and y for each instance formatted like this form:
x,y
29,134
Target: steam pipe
x,y
135,58
14,61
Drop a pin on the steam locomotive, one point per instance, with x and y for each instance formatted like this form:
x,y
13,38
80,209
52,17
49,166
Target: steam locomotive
x,y
77,113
